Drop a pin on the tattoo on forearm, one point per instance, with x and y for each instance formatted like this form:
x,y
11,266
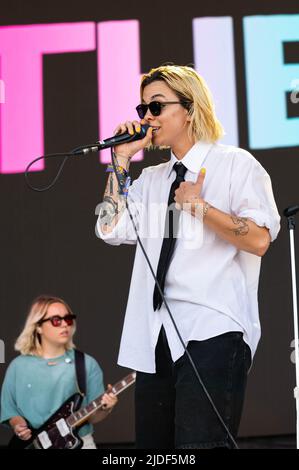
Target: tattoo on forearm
x,y
108,210
113,201
242,226
121,181
111,184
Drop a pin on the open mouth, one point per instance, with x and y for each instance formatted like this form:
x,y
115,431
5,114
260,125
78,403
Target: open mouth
x,y
155,129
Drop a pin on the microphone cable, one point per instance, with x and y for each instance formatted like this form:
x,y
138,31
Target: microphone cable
x,y
82,150
51,155
75,152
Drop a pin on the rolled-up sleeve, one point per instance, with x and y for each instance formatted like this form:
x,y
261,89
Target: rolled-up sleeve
x,y
251,194
124,232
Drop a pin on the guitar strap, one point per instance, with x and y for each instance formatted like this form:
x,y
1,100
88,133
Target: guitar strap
x,y
80,372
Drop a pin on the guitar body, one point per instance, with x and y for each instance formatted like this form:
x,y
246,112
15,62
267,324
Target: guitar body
x,y
55,433
60,431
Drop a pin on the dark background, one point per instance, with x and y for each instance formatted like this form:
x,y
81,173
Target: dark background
x,y
48,240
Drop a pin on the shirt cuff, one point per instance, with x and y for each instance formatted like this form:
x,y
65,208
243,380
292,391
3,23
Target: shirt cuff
x,y
263,220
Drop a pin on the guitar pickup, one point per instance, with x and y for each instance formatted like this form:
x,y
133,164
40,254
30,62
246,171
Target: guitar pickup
x,y
44,440
62,427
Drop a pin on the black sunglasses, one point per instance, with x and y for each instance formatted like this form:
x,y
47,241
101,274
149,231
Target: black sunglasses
x,y
155,107
57,320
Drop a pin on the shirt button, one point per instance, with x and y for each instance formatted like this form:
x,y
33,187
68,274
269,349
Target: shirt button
x,y
29,385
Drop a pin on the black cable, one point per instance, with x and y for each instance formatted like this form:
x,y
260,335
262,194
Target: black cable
x,y
52,155
114,159
82,150
74,152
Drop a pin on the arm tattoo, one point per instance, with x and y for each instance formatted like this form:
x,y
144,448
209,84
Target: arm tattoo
x,y
242,226
121,181
111,185
108,210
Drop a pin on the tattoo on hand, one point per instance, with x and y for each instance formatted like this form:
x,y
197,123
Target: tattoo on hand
x,y
242,228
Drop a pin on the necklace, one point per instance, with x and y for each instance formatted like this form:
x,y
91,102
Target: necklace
x,y
58,360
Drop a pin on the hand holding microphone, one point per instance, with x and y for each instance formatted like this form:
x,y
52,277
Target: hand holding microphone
x,y
133,136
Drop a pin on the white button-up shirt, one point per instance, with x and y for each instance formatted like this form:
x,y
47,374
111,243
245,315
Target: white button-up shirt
x,y
211,286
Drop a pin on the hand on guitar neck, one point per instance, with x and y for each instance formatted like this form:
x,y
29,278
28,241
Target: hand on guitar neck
x,y
109,400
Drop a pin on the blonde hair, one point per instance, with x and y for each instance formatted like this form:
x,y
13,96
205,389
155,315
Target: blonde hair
x,y
195,96
29,341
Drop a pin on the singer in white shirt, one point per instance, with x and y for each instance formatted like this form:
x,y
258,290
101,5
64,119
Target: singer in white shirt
x,y
228,218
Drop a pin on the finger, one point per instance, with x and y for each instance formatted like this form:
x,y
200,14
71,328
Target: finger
x,y
120,129
201,177
110,392
149,135
21,432
111,402
137,126
20,428
130,127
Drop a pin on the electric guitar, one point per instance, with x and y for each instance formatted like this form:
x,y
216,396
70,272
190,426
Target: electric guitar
x,y
60,431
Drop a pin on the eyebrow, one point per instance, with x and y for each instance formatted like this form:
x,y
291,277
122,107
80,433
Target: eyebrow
x,y
155,96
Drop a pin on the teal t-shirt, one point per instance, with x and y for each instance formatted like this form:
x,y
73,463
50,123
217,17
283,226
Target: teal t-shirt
x,y
35,390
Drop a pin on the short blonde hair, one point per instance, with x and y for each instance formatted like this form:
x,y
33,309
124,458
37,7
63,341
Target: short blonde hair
x,y
29,341
194,94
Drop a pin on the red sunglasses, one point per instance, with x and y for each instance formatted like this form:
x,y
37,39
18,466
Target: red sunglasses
x,y
57,320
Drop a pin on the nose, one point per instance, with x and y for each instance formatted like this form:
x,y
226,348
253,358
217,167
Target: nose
x,y
148,115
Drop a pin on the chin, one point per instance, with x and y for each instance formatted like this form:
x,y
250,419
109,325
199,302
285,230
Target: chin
x,y
64,340
160,144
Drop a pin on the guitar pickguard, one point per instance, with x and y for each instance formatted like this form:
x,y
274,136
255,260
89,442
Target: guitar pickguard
x,y
56,434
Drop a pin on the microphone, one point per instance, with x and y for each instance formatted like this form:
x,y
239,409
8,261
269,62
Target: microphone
x,y
111,141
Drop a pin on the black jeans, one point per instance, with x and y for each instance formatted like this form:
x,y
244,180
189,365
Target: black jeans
x,y
171,409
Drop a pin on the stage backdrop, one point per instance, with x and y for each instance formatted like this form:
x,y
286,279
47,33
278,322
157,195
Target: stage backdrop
x,y
69,72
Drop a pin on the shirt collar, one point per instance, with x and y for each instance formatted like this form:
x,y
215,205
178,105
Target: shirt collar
x,y
193,159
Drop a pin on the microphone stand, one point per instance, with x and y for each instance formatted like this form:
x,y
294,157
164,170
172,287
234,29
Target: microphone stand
x,y
289,213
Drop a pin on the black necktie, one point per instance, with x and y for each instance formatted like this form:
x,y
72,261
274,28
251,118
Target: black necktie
x,y
170,233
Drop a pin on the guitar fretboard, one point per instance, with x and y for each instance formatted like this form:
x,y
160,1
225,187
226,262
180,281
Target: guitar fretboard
x,y
83,414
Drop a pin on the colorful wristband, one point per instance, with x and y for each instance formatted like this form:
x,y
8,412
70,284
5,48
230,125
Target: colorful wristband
x,y
120,170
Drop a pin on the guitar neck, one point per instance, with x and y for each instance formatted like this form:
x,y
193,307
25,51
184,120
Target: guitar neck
x,y
82,415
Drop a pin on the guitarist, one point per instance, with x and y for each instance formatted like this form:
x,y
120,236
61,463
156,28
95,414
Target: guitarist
x,y
43,377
